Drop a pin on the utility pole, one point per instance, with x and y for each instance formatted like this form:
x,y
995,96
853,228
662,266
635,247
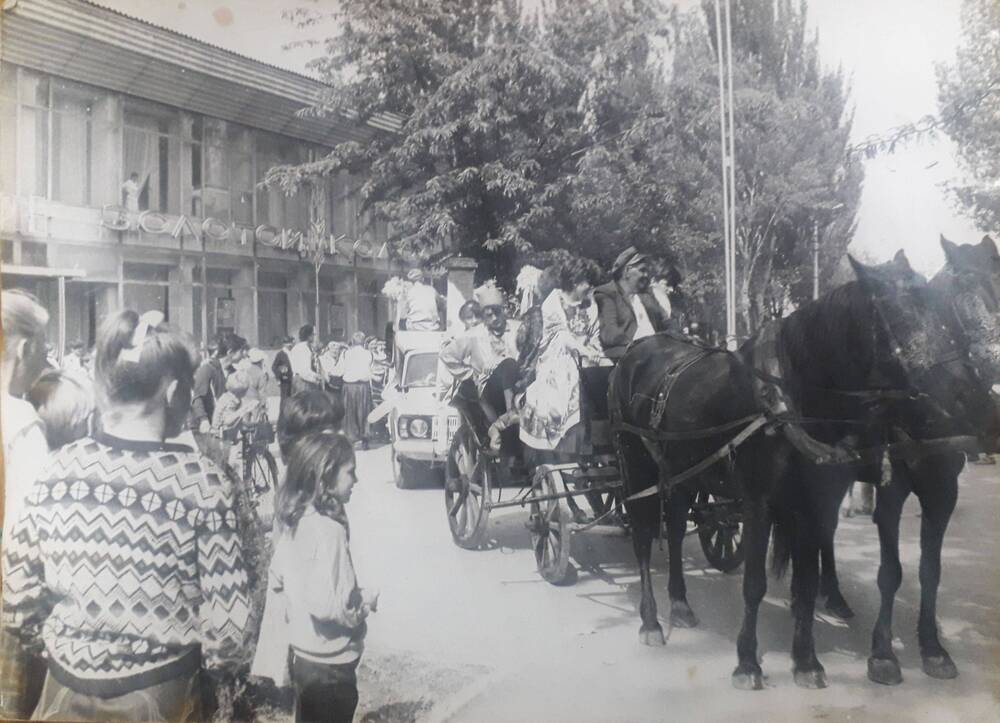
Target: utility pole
x,y
728,148
815,259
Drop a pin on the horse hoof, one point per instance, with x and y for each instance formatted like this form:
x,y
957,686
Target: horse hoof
x,y
811,679
682,616
837,606
652,637
941,667
748,679
884,671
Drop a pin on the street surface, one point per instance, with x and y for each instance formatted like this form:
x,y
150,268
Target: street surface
x,y
479,636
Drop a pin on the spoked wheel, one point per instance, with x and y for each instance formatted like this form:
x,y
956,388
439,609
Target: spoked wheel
x,y
550,533
262,472
467,490
721,533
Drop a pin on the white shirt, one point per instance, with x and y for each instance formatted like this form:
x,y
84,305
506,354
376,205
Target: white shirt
x,y
644,327
355,365
25,454
422,308
662,296
300,357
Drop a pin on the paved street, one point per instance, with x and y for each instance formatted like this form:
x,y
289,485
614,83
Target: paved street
x,y
506,646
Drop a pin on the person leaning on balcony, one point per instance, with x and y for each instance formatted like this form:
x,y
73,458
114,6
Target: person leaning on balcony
x,y
305,369
421,304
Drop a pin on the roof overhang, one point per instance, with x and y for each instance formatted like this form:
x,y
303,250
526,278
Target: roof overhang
x,y
41,272
91,44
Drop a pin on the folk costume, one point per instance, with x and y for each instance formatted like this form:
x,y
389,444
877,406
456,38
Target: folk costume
x,y
551,407
481,358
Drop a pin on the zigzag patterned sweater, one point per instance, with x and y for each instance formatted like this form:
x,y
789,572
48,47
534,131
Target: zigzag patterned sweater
x,y
133,547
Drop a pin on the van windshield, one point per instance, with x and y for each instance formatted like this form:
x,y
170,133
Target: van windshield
x,y
421,369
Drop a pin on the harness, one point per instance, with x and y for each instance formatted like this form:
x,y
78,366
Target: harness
x,y
767,369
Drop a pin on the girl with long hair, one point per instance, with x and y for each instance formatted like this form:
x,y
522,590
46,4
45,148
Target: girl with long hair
x,y
315,612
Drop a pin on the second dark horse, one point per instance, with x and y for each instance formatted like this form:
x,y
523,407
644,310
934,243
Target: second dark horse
x,y
880,359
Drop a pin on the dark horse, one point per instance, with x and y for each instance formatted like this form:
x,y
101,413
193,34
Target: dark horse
x,y
873,361
970,284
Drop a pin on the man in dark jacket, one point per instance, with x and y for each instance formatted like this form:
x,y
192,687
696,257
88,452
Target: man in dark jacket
x,y
626,309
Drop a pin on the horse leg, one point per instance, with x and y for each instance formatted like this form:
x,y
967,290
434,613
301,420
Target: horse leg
x,y
650,633
829,587
637,467
937,502
807,669
748,674
883,666
678,506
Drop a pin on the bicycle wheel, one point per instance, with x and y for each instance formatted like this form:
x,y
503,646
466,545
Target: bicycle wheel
x,y
262,472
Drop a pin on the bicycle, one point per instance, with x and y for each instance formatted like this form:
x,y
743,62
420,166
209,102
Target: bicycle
x,y
260,470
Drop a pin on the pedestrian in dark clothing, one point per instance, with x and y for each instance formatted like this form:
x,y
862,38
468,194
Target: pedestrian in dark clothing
x,y
282,369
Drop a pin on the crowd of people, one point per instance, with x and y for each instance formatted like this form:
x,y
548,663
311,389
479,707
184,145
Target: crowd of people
x,y
124,582
125,590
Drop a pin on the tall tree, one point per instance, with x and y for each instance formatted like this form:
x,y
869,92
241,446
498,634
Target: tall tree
x,y
495,108
792,127
969,99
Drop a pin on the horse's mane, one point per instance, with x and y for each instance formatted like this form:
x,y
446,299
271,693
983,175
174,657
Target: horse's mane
x,y
828,342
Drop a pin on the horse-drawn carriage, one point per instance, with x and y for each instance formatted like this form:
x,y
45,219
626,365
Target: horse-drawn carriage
x,y
565,496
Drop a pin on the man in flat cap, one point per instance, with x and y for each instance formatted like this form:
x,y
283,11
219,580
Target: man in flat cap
x,y
626,309
421,304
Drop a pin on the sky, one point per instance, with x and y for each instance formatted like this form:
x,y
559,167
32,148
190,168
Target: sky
x,y
888,48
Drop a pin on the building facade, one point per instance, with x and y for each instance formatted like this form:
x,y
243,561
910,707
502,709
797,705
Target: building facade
x,y
130,164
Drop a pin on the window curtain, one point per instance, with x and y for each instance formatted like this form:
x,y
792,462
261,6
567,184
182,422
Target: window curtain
x,y
141,156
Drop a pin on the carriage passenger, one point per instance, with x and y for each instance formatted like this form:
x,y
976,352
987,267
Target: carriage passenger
x,y
483,357
628,312
551,413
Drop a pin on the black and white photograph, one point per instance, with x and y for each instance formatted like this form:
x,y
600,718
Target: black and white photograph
x,y
492,361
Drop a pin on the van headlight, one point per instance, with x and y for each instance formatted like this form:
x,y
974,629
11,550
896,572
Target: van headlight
x,y
414,427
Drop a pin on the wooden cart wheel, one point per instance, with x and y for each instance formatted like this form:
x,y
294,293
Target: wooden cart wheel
x,y
467,490
721,539
550,533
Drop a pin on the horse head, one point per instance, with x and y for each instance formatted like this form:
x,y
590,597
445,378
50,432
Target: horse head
x,y
921,346
970,282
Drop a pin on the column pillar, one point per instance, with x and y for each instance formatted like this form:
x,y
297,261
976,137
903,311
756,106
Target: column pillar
x,y
461,281
244,291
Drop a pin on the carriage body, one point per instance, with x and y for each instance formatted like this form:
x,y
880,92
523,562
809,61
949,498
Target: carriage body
x,y
566,493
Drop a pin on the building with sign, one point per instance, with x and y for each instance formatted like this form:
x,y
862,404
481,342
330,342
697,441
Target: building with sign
x,y
130,157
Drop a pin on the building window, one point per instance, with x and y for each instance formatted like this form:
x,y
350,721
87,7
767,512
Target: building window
x,y
273,206
220,296
147,287
272,307
33,134
151,149
34,253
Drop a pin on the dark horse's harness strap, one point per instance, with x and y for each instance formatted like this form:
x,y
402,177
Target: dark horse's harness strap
x,y
724,451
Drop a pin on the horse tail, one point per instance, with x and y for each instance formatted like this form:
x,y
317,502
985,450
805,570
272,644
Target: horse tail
x,y
782,537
